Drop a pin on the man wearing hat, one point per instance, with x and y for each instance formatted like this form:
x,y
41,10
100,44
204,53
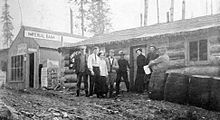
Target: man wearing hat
x,y
82,70
122,72
141,62
93,65
112,67
152,55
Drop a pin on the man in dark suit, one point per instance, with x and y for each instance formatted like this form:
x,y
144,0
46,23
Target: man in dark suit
x,y
82,70
122,72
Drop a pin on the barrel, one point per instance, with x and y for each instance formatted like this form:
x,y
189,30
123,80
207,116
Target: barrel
x,y
199,91
176,88
215,94
156,85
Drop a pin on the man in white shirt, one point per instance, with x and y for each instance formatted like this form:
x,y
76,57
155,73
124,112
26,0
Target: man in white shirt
x,y
93,66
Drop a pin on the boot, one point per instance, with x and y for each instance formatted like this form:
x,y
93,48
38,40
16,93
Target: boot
x,y
77,93
87,94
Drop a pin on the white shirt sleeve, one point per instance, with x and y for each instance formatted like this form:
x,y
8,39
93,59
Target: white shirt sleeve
x,y
89,62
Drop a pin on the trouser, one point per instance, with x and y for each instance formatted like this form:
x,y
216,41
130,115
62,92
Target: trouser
x,y
146,81
83,75
111,80
94,78
139,82
124,75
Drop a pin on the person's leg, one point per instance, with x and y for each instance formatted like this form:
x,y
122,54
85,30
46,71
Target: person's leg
x,y
91,86
97,81
79,76
85,79
125,77
118,80
111,80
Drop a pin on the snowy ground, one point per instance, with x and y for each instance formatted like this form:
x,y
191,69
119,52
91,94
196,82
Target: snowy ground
x,y
54,105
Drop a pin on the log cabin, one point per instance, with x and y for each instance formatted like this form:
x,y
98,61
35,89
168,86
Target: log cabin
x,y
193,45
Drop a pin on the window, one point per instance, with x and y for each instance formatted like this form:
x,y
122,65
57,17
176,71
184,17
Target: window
x,y
198,50
17,68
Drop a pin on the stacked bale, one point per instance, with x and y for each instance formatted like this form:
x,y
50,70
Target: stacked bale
x,y
70,76
176,88
199,91
156,85
215,94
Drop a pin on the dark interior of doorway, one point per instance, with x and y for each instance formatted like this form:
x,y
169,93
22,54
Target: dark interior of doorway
x,y
40,68
31,70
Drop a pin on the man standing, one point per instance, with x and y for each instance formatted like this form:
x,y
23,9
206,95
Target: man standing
x,y
122,72
160,64
112,67
82,70
141,62
152,55
93,65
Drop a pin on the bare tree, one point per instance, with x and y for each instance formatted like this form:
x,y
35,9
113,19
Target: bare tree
x,y
6,19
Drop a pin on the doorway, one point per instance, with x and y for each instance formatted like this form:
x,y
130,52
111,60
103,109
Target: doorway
x,y
40,68
31,70
133,60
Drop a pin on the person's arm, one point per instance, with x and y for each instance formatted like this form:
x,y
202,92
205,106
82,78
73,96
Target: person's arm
x,y
128,65
116,66
156,61
89,63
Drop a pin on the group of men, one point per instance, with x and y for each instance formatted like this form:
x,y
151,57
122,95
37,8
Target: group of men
x,y
89,65
157,60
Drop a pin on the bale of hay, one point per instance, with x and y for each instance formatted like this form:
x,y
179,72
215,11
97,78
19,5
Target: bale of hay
x,y
215,94
156,85
200,91
176,88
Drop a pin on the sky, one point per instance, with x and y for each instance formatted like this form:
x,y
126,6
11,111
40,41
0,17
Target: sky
x,y
125,14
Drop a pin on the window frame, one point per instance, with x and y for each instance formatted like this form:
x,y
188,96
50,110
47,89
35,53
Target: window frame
x,y
17,64
198,52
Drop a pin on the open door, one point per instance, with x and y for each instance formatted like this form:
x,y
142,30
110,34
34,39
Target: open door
x,y
31,70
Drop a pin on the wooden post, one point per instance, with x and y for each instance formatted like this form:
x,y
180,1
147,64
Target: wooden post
x,y
145,12
211,7
172,11
183,9
206,6
141,20
158,12
168,17
82,16
71,21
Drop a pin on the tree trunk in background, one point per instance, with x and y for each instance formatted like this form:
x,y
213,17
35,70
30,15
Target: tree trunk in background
x,y
145,12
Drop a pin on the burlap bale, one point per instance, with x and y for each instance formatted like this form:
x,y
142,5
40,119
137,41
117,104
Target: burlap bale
x,y
71,78
215,94
156,85
68,71
66,57
200,91
66,63
176,88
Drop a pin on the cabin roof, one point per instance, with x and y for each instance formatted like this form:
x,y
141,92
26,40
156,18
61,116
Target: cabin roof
x,y
152,30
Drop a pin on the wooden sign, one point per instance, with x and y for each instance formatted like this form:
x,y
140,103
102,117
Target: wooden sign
x,y
21,49
40,35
